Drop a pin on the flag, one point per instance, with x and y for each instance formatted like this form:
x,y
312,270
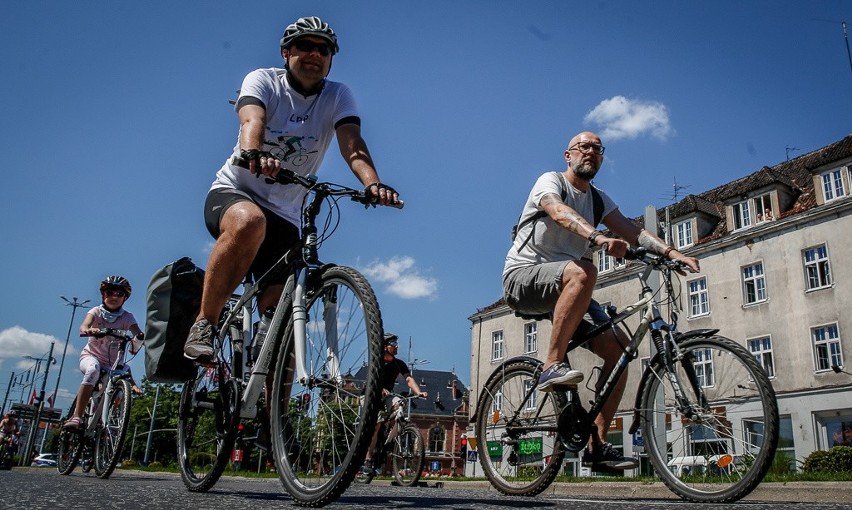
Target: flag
x,y
50,401
32,397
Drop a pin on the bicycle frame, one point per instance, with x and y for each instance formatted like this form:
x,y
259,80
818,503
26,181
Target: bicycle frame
x,y
118,370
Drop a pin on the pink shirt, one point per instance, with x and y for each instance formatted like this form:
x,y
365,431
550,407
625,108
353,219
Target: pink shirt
x,y
105,349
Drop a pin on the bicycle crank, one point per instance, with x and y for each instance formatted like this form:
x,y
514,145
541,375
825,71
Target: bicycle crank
x,y
573,424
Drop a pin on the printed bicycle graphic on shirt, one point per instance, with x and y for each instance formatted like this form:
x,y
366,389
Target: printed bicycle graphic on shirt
x,y
289,149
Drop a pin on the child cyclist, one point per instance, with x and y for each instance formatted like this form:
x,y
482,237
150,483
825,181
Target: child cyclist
x,y
101,352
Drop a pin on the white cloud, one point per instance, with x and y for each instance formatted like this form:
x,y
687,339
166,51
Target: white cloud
x,y
401,277
620,118
16,342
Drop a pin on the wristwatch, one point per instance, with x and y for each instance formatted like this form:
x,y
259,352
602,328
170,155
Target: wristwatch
x,y
594,235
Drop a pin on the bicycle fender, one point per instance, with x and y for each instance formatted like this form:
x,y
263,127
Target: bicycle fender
x,y
679,337
525,359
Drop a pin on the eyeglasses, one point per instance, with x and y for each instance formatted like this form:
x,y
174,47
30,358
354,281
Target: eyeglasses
x,y
586,147
392,344
115,293
309,46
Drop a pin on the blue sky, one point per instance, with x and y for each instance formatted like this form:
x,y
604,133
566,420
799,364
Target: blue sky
x,y
116,116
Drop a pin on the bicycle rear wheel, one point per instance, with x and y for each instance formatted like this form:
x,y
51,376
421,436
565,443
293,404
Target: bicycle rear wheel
x,y
322,425
207,426
718,444
109,442
70,446
518,446
408,456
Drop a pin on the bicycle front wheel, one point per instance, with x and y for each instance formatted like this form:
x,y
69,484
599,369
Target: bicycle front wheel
x,y
109,442
516,425
717,441
323,423
207,427
70,446
408,456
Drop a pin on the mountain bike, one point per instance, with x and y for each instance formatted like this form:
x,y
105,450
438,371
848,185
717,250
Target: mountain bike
x,y
403,443
325,340
105,422
702,397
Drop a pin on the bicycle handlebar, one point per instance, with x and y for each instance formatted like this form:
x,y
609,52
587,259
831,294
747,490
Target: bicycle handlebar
x,y
286,176
118,333
641,255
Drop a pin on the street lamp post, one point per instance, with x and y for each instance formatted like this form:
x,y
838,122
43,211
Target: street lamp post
x,y
151,427
26,457
74,305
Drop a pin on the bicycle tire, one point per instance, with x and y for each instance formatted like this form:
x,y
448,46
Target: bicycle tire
x,y
322,427
109,442
207,427
728,443
511,470
408,456
70,446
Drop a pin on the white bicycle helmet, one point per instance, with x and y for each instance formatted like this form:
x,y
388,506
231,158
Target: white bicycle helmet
x,y
309,25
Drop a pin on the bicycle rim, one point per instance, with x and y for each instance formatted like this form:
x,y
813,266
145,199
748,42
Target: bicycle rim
x,y
322,426
518,448
720,449
408,457
70,445
110,440
206,427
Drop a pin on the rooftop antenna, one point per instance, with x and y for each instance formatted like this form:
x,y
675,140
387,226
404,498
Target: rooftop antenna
x,y
846,38
787,149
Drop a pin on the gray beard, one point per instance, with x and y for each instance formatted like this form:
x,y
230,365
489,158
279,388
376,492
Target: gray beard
x,y
585,172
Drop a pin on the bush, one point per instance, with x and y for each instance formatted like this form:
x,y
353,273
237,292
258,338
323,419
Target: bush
x,y
129,463
836,460
155,465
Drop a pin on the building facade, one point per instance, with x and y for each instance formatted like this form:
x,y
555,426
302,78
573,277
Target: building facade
x,y
772,247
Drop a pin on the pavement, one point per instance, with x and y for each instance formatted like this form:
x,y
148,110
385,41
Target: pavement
x,y
800,492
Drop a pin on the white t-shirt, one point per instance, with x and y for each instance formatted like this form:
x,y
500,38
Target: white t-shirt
x,y
299,130
550,242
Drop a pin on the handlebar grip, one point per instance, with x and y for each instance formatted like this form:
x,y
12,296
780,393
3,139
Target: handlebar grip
x,y
637,253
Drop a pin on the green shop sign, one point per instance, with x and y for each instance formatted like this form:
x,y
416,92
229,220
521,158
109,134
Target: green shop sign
x,y
495,449
530,446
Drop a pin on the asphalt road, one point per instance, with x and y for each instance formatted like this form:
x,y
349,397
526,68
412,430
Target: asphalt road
x,y
37,488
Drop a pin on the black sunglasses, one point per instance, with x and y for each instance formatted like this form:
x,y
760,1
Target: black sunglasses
x,y
309,46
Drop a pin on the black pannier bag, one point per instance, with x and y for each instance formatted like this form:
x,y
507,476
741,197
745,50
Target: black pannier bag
x,y
174,298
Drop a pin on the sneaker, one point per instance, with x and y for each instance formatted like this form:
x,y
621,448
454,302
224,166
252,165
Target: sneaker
x,y
199,343
559,374
605,457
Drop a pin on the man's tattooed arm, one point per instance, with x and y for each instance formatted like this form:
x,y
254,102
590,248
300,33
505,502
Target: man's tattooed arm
x,y
652,243
565,216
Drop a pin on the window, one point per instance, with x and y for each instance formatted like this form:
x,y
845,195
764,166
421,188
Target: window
x,y
754,284
817,268
752,211
530,337
742,215
531,402
436,439
699,299
497,403
761,349
607,263
826,347
832,185
497,345
838,430
683,236
703,364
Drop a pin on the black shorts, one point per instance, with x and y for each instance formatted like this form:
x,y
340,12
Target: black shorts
x,y
280,236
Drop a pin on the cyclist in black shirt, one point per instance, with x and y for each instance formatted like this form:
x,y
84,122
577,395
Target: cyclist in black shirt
x,y
392,368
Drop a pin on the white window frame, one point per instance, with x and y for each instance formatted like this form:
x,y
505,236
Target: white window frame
x,y
752,211
704,369
827,347
742,214
762,204
817,266
532,401
832,184
761,348
699,298
498,344
754,283
497,403
530,337
683,234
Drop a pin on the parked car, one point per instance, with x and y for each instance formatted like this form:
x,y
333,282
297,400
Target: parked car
x,y
44,460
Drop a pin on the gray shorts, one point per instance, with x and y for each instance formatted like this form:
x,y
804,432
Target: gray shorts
x,y
534,290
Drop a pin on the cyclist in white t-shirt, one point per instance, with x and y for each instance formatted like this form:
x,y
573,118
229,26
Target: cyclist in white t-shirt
x,y
288,117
